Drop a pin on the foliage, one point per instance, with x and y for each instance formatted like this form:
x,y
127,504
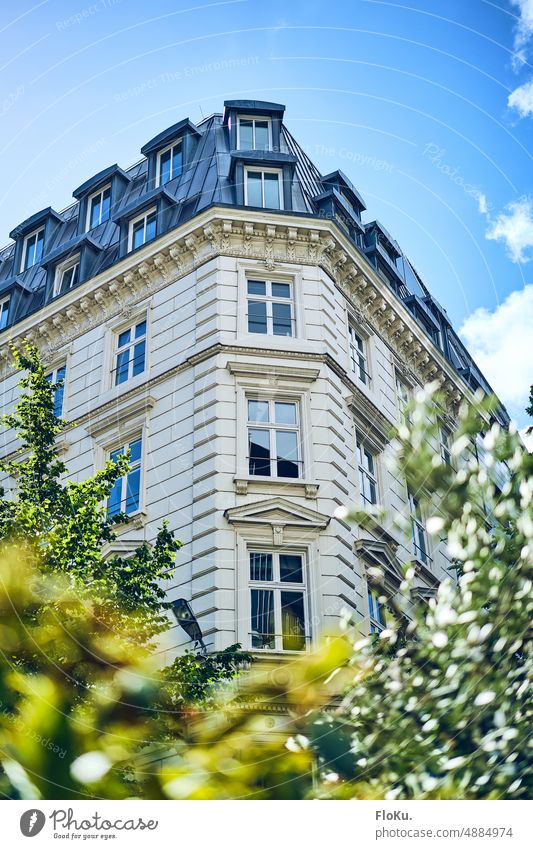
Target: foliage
x,y
196,679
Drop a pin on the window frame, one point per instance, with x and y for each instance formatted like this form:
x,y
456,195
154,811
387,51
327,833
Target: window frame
x,y
170,147
362,446
254,118
27,238
133,221
248,169
99,192
5,311
378,622
418,531
53,377
60,271
273,428
355,352
444,445
277,586
140,464
131,325
269,299
401,401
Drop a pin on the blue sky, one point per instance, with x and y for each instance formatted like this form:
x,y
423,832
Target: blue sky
x,y
427,106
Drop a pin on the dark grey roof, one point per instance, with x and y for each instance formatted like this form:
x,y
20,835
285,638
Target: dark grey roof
x,y
207,179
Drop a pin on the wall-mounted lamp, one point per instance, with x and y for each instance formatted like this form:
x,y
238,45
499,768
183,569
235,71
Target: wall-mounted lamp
x,y
185,617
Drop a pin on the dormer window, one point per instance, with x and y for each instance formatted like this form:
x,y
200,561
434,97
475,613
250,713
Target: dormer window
x,y
33,249
254,133
142,229
169,163
4,313
99,207
67,276
263,188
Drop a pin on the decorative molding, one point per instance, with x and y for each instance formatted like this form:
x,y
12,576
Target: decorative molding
x,y
381,554
274,374
116,415
245,485
280,515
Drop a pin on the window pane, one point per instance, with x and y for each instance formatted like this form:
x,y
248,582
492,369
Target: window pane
x,y
256,287
138,234
281,319
258,411
177,160
133,491
124,338
122,366
140,329
113,504
290,568
271,191
254,197
138,358
285,413
259,450
150,227
262,619
293,620
281,290
135,451
287,454
106,205
245,135
95,211
4,314
257,317
260,566
40,246
59,393
371,604
261,135
164,167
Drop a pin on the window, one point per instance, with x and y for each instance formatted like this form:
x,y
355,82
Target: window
x,y
367,472
169,163
56,376
445,451
263,188
270,307
4,313
254,134
67,276
403,394
376,612
418,531
358,356
130,357
125,497
99,207
277,601
142,229
273,439
33,249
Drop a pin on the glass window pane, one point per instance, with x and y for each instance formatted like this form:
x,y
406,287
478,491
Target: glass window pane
x,y
150,227
262,619
106,204
140,329
138,358
177,160
293,620
282,319
95,211
122,366
287,454
254,196
133,488
259,451
256,287
113,504
281,290
40,246
4,314
261,135
257,317
271,191
124,338
135,450
164,167
290,568
258,411
260,566
246,135
138,234
285,412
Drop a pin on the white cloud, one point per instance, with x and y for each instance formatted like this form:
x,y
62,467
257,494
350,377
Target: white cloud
x,y
521,99
515,228
524,30
482,203
500,343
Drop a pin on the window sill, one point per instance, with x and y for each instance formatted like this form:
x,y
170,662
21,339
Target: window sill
x,y
137,520
292,486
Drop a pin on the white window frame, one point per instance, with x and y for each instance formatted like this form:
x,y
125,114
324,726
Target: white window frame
x,y
356,355
277,587
141,464
374,606
418,531
145,215
254,118
444,445
362,447
269,299
130,325
4,309
404,396
272,427
178,143
60,272
52,376
90,199
33,234
263,171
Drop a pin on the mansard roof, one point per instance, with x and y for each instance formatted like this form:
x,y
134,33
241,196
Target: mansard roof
x,y
210,176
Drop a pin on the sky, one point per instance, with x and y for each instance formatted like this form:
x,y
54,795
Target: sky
x,y
426,106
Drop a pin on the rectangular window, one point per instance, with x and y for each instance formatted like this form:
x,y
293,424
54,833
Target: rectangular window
x,y
56,376
278,619
67,276
4,313
254,134
270,308
418,531
33,249
368,486
445,451
274,439
99,207
143,229
358,356
263,189
376,612
125,497
169,163
130,356
403,395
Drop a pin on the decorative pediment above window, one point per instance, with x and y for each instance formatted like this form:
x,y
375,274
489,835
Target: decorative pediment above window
x,y
369,420
381,554
254,375
277,516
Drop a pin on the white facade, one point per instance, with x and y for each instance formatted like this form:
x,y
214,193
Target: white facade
x,y
189,405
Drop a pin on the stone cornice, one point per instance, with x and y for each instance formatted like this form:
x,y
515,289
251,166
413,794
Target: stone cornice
x,y
267,237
